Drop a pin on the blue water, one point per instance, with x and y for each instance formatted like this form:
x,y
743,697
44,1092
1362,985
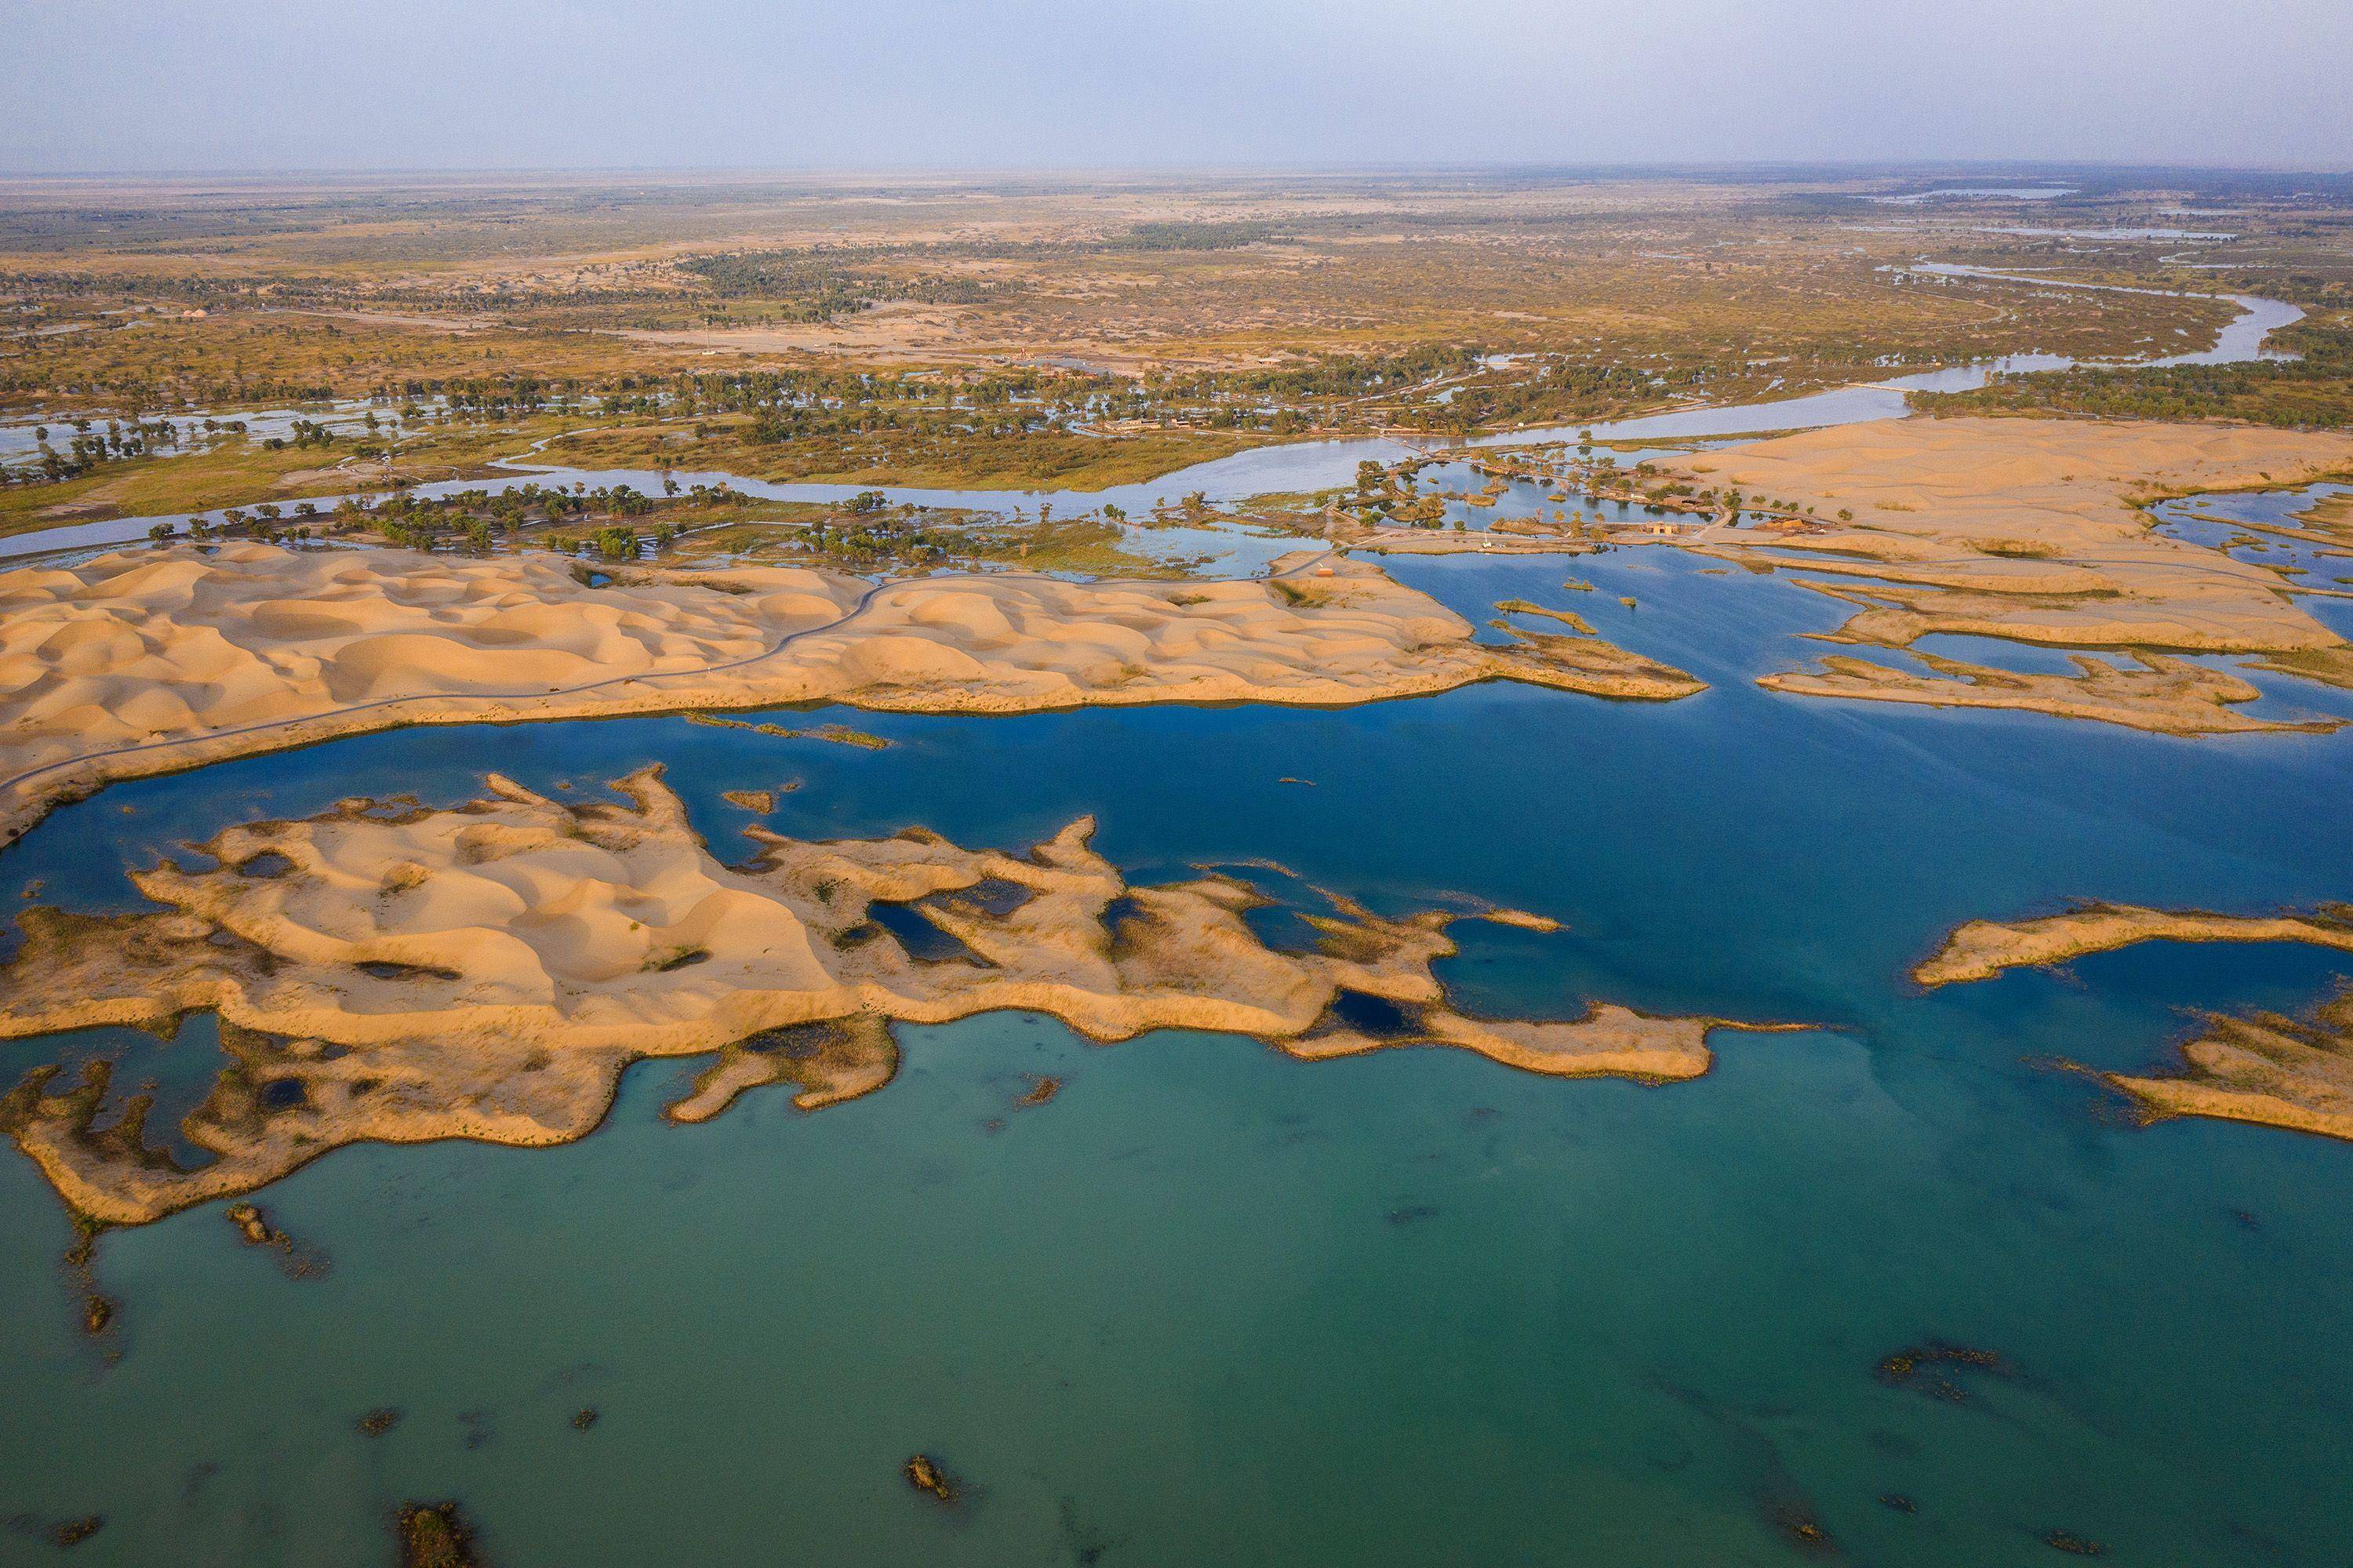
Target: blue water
x,y
1213,1306
2214,521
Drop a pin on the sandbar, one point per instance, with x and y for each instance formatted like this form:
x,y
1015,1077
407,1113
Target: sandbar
x,y
2034,530
1981,949
2262,1068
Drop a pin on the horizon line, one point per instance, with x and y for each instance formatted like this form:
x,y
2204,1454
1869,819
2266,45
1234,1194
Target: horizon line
x,y
1855,166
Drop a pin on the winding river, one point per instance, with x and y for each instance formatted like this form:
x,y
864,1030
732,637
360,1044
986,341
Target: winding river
x,y
1318,464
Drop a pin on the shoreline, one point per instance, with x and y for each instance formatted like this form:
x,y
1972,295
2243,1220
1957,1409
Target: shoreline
x,y
388,972
2035,531
1320,631
2261,1067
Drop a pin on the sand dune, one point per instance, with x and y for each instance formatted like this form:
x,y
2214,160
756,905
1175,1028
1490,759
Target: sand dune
x,y
2029,529
386,972
142,662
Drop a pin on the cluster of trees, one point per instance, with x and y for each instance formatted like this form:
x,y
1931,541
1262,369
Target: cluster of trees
x,y
263,523
614,542
92,291
1196,236
499,397
818,285
1330,375
140,391
1557,390
89,447
878,536
2314,391
474,518
306,433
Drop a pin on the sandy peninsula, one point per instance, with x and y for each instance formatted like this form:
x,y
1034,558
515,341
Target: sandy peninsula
x,y
389,973
2147,690
150,660
2264,1067
2033,530
1981,949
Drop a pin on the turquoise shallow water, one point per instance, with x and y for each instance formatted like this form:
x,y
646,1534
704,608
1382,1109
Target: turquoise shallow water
x,y
1214,1305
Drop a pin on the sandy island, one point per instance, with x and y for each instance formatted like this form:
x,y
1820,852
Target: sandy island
x,y
386,971
150,660
2264,1067
2032,530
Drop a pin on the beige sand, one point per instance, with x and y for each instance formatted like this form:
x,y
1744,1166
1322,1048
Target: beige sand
x,y
893,329
2265,1068
1521,918
1983,949
148,661
403,974
1567,618
762,801
2150,690
2029,529
2331,518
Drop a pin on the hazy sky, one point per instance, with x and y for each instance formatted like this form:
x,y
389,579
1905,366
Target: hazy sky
x,y
403,84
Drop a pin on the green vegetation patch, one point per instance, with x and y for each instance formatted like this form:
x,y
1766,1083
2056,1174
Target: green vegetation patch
x,y
2312,392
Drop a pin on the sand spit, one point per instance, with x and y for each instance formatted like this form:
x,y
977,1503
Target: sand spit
x,y
150,660
1981,949
388,972
2264,1067
2172,696
2032,530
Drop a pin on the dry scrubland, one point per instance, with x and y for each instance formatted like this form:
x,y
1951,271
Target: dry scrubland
x,y
1049,333
394,974
1256,288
